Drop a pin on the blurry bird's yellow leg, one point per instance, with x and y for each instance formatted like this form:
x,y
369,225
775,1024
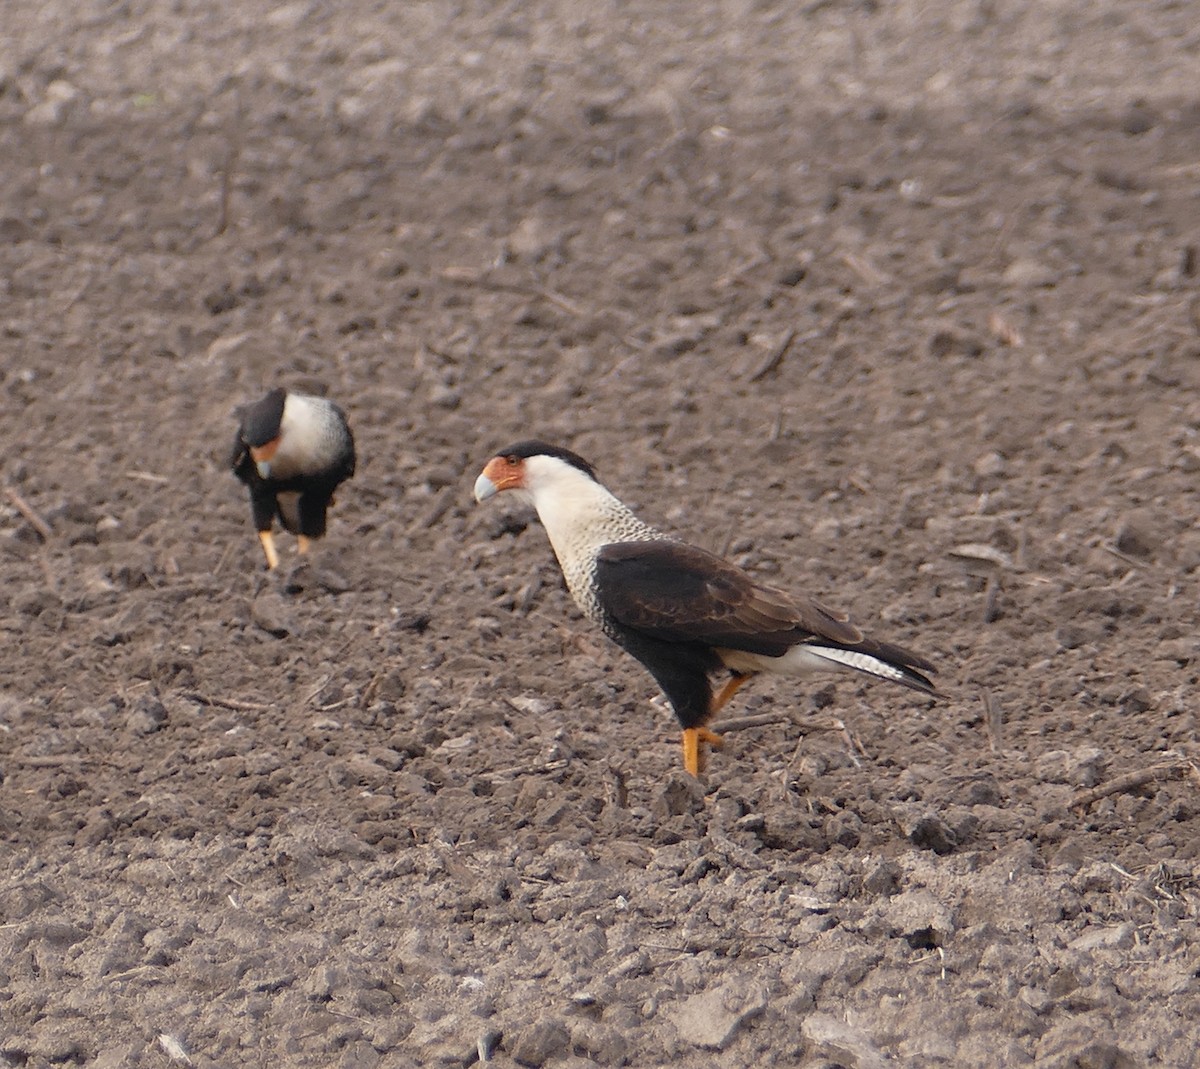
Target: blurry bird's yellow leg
x,y
728,691
691,751
303,544
695,757
268,543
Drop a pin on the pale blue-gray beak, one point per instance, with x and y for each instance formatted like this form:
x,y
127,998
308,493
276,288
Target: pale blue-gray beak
x,y
484,488
264,468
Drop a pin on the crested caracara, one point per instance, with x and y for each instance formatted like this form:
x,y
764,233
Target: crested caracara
x,y
683,612
292,451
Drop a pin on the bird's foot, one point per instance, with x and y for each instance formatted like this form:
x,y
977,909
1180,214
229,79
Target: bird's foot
x,y
269,551
695,757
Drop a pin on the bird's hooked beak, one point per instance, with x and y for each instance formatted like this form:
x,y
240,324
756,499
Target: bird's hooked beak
x,y
500,473
262,455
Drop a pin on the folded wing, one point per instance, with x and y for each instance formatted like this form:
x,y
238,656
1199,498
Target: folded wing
x,y
680,593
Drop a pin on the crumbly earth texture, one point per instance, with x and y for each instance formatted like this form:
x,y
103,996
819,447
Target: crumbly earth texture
x,y
893,304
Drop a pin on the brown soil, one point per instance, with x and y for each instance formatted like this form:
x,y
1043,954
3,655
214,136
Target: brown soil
x,y
896,305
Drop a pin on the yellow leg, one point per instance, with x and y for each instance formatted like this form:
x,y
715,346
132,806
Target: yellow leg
x,y
303,543
728,691
694,741
268,543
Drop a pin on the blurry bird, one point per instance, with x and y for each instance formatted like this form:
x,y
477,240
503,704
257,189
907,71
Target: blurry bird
x,y
683,612
292,451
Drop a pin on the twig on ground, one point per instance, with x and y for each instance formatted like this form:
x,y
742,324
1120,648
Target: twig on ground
x,y
852,740
991,601
1131,781
225,703
994,724
1125,558
442,503
225,554
229,166
527,770
467,276
50,760
368,692
148,477
775,357
740,723
32,516
865,270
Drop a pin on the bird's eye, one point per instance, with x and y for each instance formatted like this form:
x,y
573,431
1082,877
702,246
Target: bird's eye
x,y
513,460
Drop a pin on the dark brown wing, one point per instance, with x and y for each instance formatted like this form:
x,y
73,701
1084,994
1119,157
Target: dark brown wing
x,y
678,593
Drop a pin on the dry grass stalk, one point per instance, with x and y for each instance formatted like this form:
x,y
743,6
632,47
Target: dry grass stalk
x,y
32,516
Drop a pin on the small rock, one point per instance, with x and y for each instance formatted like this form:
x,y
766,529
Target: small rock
x,y
1036,999
842,1042
990,465
1029,274
680,794
1119,179
1139,535
984,791
915,916
532,239
673,345
883,879
270,613
1080,766
147,716
601,1043
793,276
230,348
945,342
1071,636
1116,937
927,830
14,230
1136,701
320,984
445,397
53,107
1139,119
536,1045
1180,650
1100,876
1188,460
711,1019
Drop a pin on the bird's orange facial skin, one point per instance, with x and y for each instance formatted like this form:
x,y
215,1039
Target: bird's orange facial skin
x,y
505,473
261,453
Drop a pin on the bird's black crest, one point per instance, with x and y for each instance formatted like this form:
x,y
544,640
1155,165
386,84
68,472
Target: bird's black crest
x,y
534,448
260,421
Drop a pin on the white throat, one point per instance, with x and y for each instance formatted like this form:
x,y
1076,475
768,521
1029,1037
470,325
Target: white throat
x,y
580,516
